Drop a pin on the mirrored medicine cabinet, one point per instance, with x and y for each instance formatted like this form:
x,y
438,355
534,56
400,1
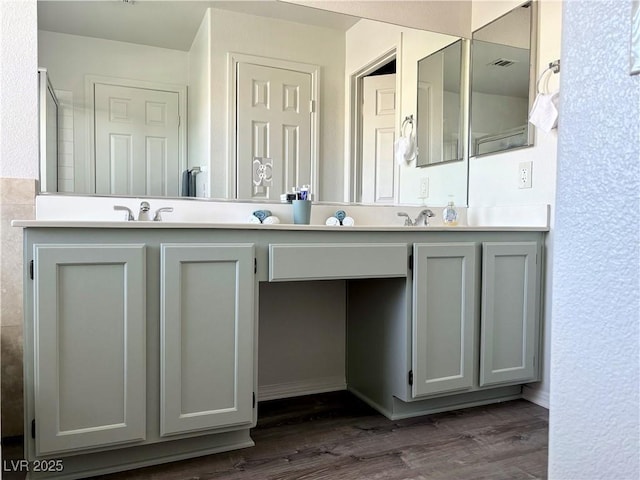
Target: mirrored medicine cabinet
x,y
501,65
503,73
440,110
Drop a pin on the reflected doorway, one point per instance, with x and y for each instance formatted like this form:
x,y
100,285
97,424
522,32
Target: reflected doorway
x,y
374,115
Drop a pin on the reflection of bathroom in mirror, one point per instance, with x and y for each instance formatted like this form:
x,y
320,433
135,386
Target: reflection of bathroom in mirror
x,y
502,69
186,55
440,106
52,173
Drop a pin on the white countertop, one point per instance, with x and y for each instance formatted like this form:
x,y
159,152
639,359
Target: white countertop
x,y
60,211
253,226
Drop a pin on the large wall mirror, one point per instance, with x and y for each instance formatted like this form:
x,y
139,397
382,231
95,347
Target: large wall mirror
x,y
440,110
502,79
177,59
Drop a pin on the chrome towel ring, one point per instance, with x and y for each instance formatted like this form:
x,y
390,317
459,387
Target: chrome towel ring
x,y
407,121
554,67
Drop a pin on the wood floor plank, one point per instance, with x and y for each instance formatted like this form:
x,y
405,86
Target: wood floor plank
x,y
335,436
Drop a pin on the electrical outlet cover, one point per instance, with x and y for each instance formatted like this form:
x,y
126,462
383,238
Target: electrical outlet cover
x,y
524,174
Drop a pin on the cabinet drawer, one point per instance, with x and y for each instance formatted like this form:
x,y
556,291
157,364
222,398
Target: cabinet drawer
x,y
336,260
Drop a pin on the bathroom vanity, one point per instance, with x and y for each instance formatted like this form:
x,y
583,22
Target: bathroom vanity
x,y
141,337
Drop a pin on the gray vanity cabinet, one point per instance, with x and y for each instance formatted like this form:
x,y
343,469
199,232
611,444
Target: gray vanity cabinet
x,y
459,344
206,336
509,318
139,347
444,279
140,342
89,346
461,329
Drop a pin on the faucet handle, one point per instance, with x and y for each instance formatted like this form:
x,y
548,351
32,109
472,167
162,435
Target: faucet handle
x,y
126,209
157,217
407,220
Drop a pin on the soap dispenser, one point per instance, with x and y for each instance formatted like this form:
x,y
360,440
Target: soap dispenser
x,y
450,215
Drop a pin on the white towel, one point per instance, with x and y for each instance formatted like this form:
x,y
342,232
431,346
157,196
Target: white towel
x,y
544,113
271,220
253,219
348,222
332,222
405,149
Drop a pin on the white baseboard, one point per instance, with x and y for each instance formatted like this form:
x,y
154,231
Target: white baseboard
x,y
536,395
305,387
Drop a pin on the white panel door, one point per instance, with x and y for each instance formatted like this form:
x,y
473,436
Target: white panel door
x,y
274,131
90,347
207,336
443,317
136,141
378,137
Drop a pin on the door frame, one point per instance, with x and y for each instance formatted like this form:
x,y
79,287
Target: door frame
x,y
90,82
233,59
353,167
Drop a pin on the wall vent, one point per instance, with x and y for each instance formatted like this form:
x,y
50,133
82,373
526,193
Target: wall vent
x,y
501,62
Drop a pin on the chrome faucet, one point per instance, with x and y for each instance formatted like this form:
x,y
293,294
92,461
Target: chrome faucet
x,y
422,218
143,214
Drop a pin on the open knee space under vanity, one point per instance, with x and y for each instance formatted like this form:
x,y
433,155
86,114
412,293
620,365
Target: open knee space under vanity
x,y
146,345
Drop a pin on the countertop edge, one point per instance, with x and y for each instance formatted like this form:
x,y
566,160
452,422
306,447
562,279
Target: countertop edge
x,y
253,226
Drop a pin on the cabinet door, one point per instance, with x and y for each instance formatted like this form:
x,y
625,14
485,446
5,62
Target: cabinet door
x,y
207,336
443,317
509,318
89,314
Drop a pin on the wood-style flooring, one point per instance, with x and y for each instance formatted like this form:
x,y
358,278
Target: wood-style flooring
x,y
337,437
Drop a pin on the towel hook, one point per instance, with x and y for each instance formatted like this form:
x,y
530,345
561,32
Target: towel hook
x,y
407,121
554,67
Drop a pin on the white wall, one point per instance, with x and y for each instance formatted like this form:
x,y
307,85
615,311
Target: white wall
x,y
594,427
268,37
68,58
18,89
452,18
493,178
302,338
486,11
199,111
368,40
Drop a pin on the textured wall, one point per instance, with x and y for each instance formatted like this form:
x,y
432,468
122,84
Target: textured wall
x,y
594,416
18,89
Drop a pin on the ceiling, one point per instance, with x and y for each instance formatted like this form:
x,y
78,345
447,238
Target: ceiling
x,y
166,24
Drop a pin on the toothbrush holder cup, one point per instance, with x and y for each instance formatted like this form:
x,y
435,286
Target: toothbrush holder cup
x,y
301,211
